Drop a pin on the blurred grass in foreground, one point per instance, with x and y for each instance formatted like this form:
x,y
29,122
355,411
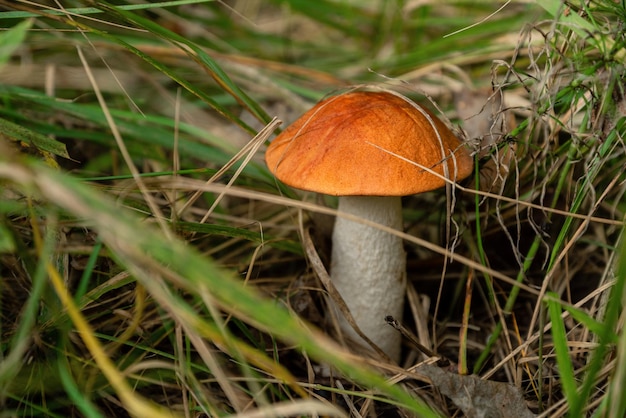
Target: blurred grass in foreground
x,y
123,295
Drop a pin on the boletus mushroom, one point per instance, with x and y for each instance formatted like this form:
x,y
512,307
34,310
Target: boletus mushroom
x,y
369,148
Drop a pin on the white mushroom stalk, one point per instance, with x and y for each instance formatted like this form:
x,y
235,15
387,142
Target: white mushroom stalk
x,y
368,268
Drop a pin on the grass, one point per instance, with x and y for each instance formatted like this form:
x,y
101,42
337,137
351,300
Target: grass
x,y
152,266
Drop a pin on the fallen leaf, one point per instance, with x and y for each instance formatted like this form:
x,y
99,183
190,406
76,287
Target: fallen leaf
x,y
477,398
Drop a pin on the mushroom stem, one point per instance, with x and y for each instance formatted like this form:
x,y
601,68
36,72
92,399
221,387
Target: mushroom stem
x,y
368,268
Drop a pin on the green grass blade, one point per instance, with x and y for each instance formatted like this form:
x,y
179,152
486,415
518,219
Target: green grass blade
x,y
584,28
34,307
27,138
561,347
199,54
193,272
616,401
79,399
613,312
93,10
12,39
593,325
158,65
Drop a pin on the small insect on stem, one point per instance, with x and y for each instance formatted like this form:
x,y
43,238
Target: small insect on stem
x,y
442,362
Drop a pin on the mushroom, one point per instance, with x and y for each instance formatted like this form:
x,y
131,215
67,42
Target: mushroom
x,y
369,148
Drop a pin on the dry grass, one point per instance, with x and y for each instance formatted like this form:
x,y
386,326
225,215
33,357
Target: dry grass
x,y
160,269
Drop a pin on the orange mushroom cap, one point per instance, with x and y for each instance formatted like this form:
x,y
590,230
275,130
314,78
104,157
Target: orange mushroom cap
x,y
350,144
